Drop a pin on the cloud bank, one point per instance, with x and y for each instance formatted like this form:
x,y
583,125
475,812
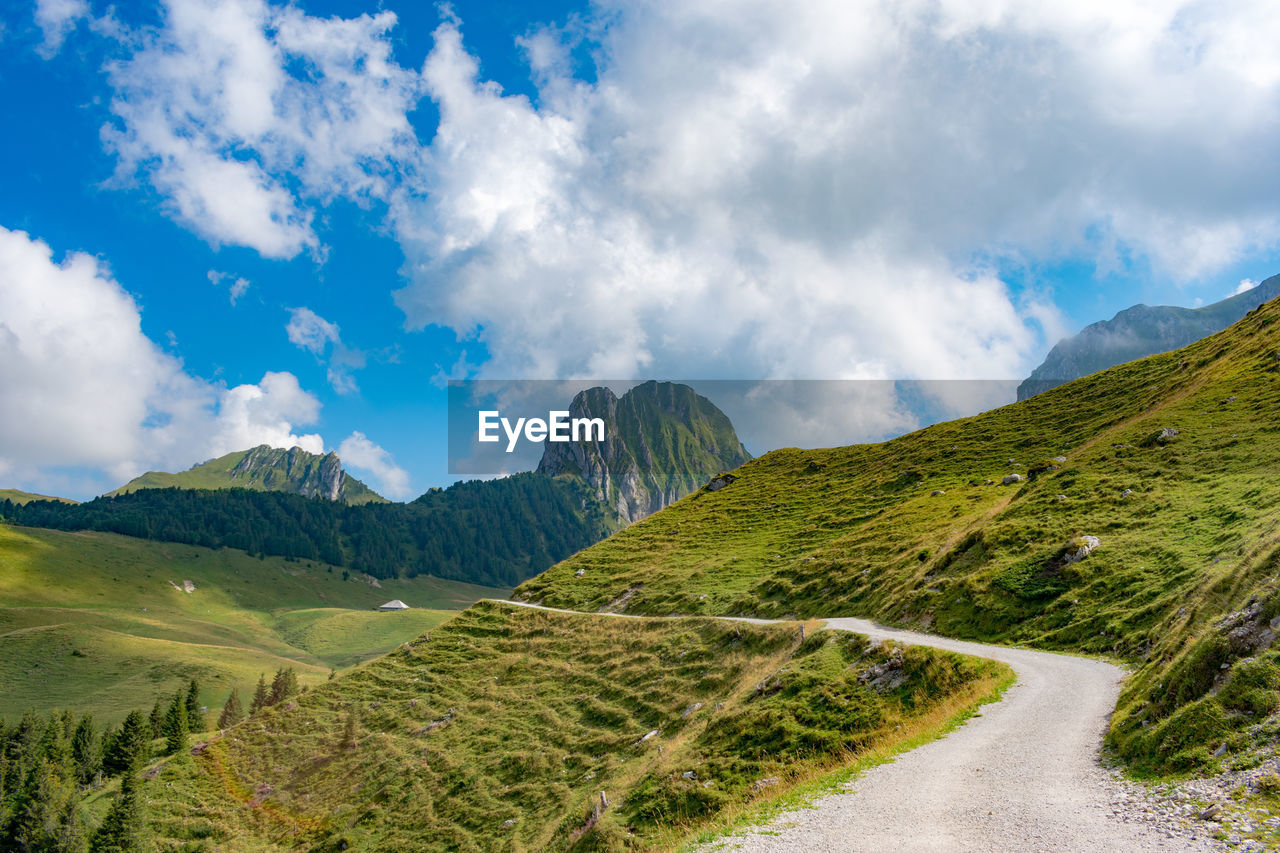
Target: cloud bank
x,y
740,189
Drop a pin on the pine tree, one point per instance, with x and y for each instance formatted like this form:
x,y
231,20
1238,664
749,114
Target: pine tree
x,y
129,747
195,717
175,726
283,686
157,719
260,696
232,712
48,817
122,828
86,751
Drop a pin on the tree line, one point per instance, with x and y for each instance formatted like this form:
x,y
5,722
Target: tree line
x,y
495,532
48,764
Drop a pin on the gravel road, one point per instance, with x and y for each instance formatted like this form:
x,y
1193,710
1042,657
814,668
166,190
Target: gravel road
x,y
1023,776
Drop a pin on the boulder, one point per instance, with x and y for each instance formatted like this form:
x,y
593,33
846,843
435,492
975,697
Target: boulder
x,y
1010,479
719,482
936,493
1080,547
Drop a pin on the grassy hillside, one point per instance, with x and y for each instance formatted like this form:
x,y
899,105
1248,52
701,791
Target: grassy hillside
x,y
501,728
20,497
1169,462
94,621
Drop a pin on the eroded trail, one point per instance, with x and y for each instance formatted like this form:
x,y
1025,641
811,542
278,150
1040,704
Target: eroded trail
x,y
1023,776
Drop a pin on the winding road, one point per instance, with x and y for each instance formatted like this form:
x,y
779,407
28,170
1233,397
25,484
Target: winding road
x,y
1021,777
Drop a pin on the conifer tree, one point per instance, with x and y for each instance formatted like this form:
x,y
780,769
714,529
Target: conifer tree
x,y
128,747
175,726
195,717
86,751
283,686
157,719
122,828
260,696
232,712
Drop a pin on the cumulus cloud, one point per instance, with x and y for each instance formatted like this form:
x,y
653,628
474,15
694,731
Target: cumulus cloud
x,y
1245,285
741,189
56,19
83,386
226,99
803,191
309,331
357,451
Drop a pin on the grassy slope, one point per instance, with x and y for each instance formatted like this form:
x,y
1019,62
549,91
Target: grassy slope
x,y
21,497
90,621
856,531
499,730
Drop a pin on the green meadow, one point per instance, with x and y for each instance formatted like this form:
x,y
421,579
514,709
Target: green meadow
x,y
99,622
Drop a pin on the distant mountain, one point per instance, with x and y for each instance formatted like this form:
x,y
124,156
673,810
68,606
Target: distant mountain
x,y
1138,332
266,469
21,497
662,441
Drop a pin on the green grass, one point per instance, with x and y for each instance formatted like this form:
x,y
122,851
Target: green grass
x,y
500,728
855,531
93,621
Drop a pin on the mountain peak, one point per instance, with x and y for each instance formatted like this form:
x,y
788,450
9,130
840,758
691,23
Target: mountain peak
x,y
662,441
1139,331
265,468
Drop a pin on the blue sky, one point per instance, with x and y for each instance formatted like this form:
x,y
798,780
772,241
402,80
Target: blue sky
x,y
875,190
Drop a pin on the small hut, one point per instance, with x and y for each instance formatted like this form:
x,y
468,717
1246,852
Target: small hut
x,y
394,604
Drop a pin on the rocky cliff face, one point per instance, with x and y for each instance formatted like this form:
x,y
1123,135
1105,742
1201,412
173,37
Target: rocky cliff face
x,y
662,441
1138,332
293,470
266,469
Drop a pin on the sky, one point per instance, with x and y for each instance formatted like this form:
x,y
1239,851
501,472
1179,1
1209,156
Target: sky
x,y
233,222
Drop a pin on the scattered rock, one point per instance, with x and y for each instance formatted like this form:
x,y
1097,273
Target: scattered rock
x,y
1080,547
1211,812
579,573
1061,460
886,675
1060,498
691,709
719,482
760,784
650,736
1126,493
1010,479
507,824
199,748
690,775
936,493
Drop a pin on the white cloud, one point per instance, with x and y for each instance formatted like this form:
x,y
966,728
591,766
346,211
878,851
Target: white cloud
x,y
1245,285
309,331
743,189
238,287
227,98
784,190
56,19
83,387
389,479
